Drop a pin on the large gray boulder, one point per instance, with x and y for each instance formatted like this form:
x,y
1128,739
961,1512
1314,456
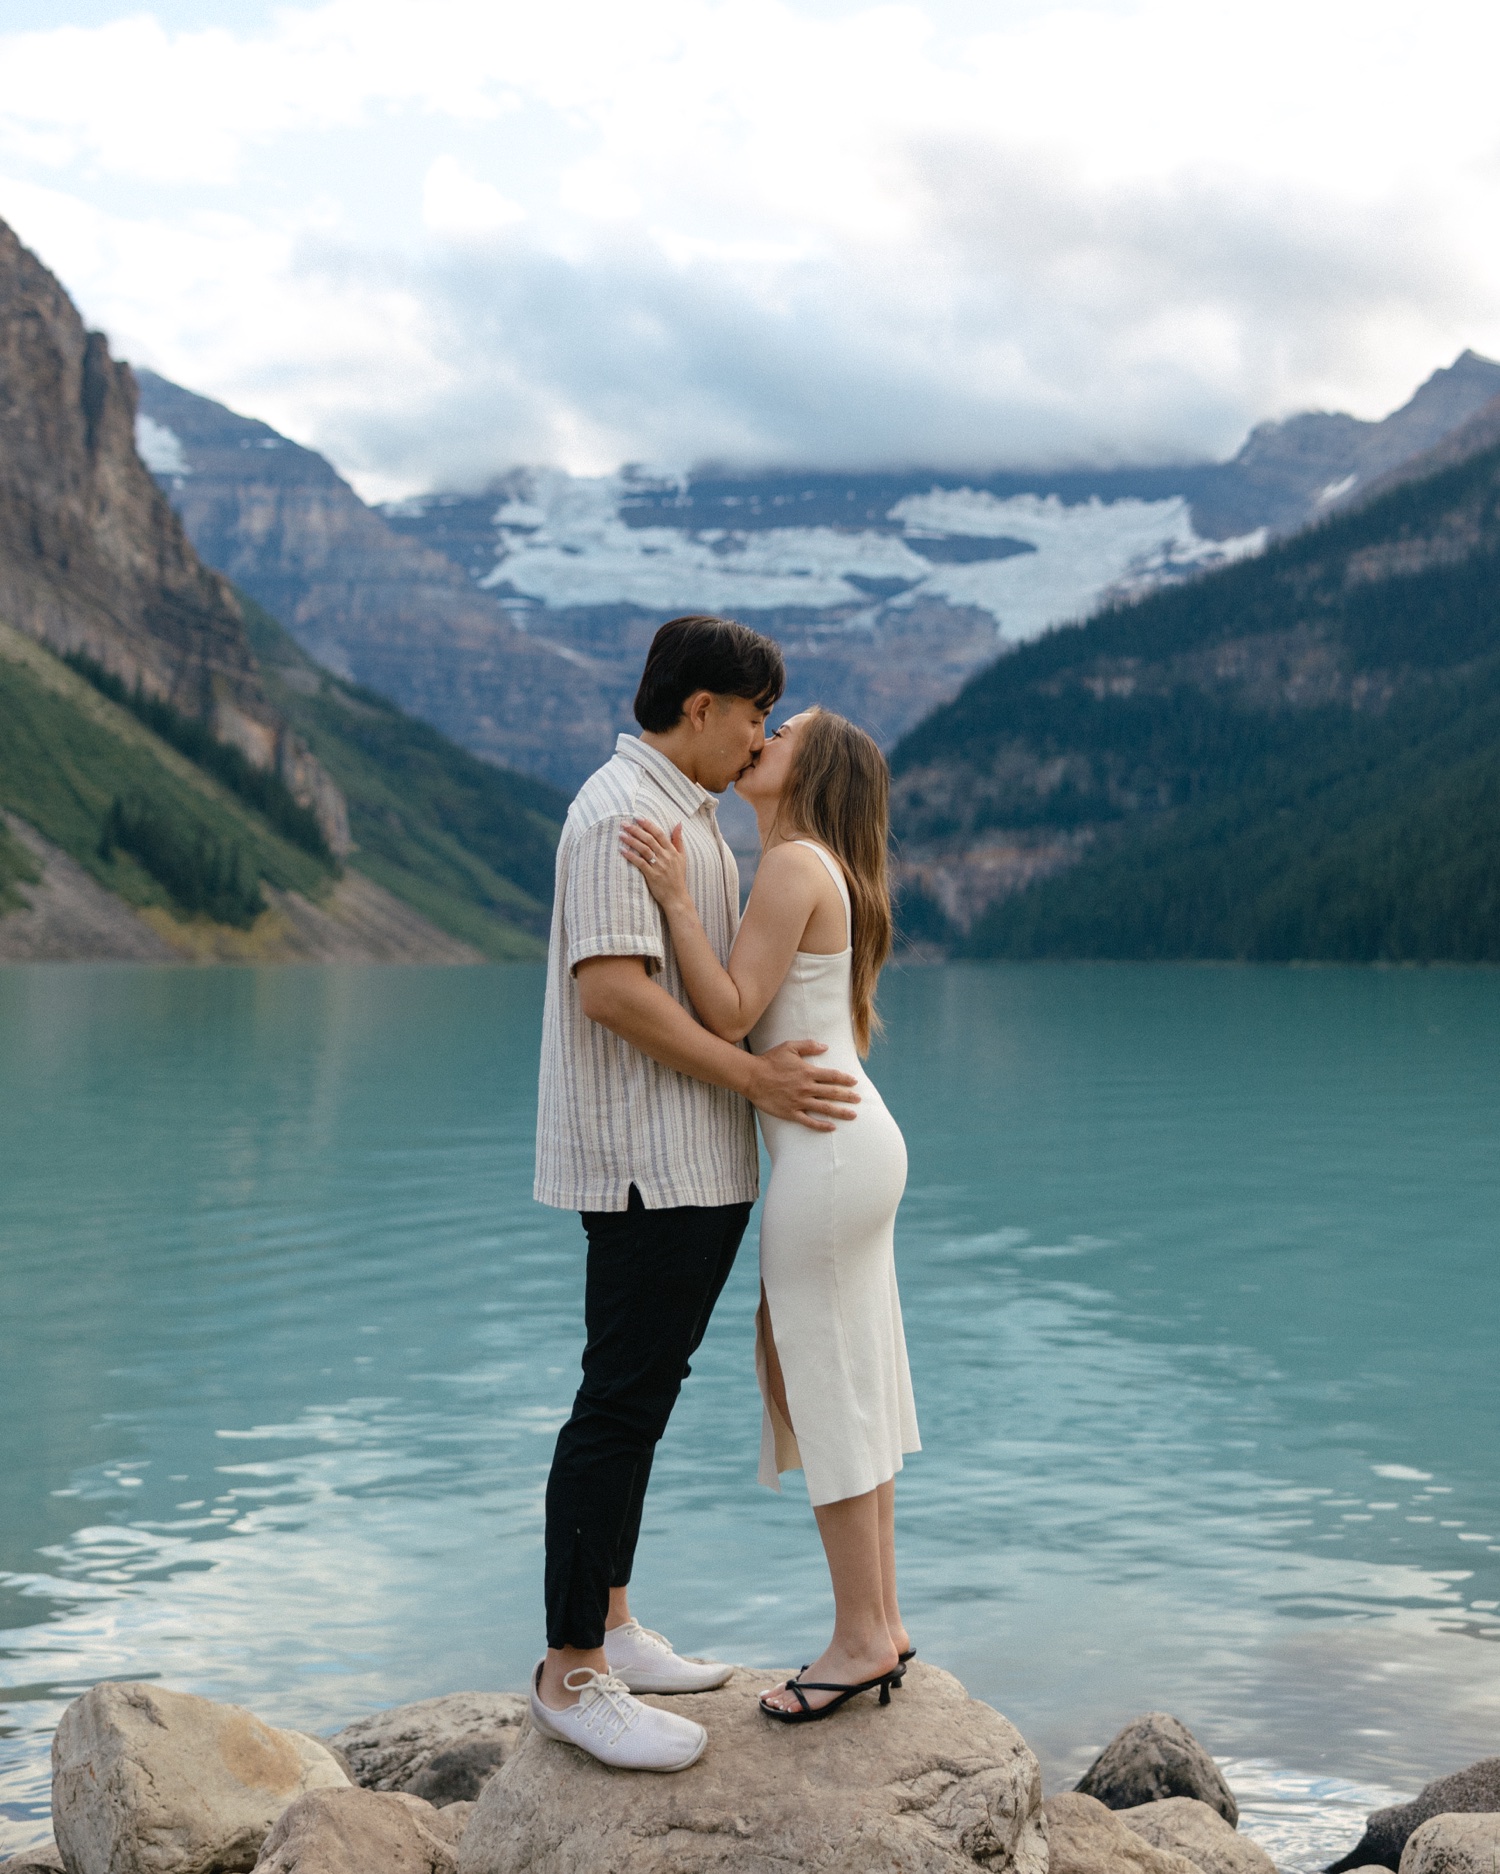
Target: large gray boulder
x,y
933,1783
44,1858
442,1749
1185,1826
1154,1757
146,1781
1473,1790
1083,1837
1454,1844
359,1831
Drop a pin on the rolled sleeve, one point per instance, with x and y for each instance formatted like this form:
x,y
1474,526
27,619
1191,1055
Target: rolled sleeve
x,y
606,907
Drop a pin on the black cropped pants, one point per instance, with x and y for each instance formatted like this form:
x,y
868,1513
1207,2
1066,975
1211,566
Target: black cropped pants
x,y
653,1279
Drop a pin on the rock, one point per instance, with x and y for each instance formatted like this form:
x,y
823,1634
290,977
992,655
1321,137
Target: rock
x,y
933,1783
333,1750
1154,1757
1454,1844
357,1831
442,1749
450,1822
1475,1789
1188,1827
146,1781
1083,1837
44,1858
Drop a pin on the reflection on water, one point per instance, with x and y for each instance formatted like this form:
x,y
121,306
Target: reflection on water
x,y
1200,1282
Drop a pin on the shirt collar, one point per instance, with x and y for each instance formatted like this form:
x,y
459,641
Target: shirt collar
x,y
668,776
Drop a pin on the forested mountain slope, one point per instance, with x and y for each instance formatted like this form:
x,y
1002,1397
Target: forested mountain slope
x,y
470,844
92,558
176,777
125,832
1296,756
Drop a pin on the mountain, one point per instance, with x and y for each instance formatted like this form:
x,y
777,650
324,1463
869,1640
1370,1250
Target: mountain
x,y
1290,473
467,843
92,558
450,857
1297,756
516,617
177,778
376,607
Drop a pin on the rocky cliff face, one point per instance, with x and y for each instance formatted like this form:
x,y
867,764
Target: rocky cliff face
x,y
1295,471
92,558
372,605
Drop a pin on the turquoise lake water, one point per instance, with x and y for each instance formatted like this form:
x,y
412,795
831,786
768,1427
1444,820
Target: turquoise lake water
x,y
1203,1297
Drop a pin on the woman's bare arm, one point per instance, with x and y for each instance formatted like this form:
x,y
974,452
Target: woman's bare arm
x,y
785,895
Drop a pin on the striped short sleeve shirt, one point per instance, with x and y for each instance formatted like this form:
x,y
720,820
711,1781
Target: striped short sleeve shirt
x,y
608,1116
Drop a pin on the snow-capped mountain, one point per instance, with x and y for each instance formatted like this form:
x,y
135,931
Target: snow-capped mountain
x,y
516,618
1028,561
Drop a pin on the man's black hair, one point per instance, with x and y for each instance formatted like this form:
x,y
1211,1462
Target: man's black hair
x,y
701,652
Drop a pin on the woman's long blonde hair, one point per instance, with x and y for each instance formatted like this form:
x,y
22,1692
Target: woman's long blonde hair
x,y
838,793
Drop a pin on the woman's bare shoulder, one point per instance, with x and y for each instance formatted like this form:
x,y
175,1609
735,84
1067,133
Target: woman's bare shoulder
x,y
792,876
789,866
791,856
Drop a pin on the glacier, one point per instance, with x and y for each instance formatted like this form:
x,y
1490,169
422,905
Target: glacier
x,y
562,541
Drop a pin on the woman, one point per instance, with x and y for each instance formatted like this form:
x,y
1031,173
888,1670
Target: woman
x,y
830,1350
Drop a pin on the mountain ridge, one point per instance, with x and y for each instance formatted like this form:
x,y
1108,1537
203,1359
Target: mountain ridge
x,y
92,558
167,757
372,606
886,591
1297,756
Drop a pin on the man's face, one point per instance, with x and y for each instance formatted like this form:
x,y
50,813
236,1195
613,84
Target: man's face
x,y
734,735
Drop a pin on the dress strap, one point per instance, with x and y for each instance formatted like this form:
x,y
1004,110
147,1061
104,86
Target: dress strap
x,y
836,873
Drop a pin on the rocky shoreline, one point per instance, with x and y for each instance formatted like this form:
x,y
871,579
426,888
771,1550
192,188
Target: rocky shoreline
x,y
149,1781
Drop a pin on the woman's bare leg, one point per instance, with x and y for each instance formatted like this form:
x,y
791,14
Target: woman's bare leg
x,y
860,1545
886,1497
862,1646
774,1378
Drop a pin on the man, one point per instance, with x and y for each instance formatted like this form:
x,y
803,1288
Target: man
x,y
645,1126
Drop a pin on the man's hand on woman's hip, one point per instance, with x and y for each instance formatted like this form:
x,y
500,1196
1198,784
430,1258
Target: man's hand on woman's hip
x,y
788,1083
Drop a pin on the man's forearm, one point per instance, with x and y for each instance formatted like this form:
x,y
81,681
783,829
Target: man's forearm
x,y
643,1014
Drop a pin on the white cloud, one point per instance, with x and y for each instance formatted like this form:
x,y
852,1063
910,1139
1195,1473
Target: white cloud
x,y
598,192
438,238
457,203
160,448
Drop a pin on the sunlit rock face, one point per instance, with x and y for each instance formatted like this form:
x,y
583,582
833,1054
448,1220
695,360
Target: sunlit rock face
x,y
93,560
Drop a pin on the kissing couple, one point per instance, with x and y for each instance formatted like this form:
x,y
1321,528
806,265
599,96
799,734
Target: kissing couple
x,y
655,984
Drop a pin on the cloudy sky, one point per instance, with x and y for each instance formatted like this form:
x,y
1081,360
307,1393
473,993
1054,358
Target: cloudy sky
x,y
438,237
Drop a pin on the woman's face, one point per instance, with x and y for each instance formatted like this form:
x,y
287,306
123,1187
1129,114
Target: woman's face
x,y
772,771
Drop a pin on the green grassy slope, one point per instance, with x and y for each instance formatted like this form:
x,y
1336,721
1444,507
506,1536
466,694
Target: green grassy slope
x,y
68,753
17,867
1229,818
468,844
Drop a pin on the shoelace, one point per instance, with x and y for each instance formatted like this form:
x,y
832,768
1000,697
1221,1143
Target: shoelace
x,y
607,1705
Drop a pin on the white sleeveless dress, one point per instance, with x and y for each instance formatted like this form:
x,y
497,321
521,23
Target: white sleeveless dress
x,y
827,1256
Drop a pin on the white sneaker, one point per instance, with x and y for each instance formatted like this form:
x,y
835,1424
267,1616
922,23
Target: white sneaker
x,y
616,1728
646,1663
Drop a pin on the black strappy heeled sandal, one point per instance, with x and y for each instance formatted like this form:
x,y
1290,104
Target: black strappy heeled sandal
x,y
903,1660
809,1714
